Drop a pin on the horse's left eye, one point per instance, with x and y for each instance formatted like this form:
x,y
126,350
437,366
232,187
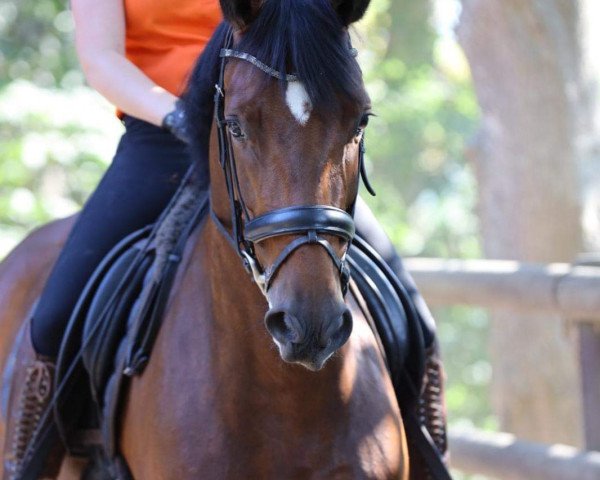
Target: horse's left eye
x,y
362,124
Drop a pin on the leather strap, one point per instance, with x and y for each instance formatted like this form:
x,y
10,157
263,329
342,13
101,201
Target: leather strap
x,y
310,238
426,446
228,52
292,220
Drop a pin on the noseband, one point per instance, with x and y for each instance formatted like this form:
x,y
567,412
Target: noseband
x,y
309,222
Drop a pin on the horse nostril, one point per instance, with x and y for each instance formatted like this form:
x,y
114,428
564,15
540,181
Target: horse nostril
x,y
283,327
338,332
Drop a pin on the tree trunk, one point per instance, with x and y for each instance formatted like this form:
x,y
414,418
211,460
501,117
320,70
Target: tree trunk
x,y
525,61
590,135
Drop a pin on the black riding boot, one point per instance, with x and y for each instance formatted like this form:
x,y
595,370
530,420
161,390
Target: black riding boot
x,y
31,387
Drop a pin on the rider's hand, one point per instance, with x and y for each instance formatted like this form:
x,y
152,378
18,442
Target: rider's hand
x,y
175,123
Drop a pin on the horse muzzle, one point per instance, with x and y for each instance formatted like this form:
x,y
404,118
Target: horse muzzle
x,y
307,341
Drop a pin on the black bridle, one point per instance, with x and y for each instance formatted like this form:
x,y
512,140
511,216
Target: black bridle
x,y
310,222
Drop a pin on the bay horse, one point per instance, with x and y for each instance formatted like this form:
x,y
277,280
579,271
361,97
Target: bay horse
x,y
309,396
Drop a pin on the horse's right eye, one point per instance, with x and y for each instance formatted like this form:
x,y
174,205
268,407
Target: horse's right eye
x,y
235,129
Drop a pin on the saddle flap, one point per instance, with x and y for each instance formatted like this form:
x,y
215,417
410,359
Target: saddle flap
x,y
106,322
71,375
396,321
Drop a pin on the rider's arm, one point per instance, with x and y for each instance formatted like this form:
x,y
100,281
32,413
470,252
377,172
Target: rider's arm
x,y
100,42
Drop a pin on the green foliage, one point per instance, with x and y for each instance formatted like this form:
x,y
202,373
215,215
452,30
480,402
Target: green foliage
x,y
54,144
420,87
467,364
36,43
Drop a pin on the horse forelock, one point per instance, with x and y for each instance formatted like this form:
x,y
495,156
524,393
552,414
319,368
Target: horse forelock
x,y
308,39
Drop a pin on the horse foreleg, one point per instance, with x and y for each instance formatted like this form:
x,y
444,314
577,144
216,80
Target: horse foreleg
x,y
72,468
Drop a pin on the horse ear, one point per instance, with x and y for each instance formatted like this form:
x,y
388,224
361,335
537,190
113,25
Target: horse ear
x,y
240,12
350,11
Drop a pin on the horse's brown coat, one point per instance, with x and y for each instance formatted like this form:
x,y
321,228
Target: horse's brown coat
x,y
219,403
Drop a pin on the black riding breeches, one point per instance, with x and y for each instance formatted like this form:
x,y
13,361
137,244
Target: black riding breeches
x,y
145,173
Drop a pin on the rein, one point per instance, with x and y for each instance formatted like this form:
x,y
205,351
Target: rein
x,y
310,222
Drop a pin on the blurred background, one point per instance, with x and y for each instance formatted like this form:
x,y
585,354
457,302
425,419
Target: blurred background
x,y
485,145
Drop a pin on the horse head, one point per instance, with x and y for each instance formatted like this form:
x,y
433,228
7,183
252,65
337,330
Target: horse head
x,y
291,113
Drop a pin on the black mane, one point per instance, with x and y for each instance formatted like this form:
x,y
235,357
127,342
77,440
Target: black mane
x,y
198,99
304,37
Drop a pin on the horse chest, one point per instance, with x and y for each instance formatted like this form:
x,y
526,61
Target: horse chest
x,y
217,402
282,422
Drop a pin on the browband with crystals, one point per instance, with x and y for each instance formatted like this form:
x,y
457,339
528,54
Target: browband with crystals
x,y
230,53
227,52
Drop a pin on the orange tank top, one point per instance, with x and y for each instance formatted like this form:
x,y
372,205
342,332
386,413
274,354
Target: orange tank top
x,y
164,39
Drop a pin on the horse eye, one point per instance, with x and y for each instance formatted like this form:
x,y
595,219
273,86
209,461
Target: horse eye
x,y
235,129
364,121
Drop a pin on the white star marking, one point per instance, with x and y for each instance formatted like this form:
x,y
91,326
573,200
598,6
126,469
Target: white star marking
x,y
298,102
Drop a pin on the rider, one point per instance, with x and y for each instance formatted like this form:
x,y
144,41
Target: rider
x,y
137,54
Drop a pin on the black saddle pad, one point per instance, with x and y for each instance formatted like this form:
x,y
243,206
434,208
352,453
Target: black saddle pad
x,y
107,319
399,327
388,303
73,389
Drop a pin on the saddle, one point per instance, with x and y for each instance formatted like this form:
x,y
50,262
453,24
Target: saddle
x,y
111,332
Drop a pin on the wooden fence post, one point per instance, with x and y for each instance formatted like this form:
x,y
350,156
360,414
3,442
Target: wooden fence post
x,y
588,340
